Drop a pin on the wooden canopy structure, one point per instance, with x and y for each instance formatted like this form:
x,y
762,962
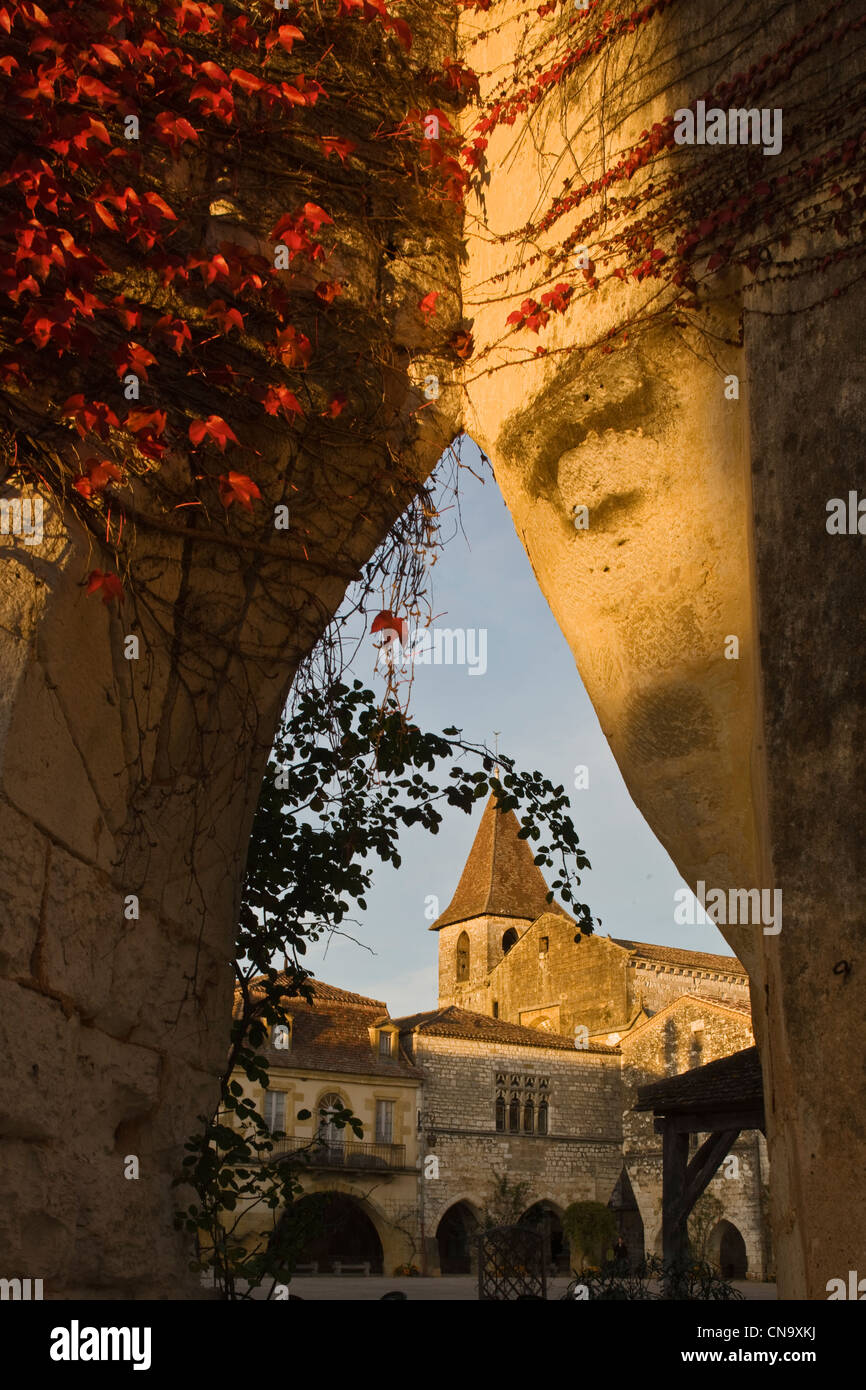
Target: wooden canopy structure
x,y
720,1100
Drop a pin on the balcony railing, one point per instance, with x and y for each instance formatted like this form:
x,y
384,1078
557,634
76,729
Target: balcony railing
x,y
349,1154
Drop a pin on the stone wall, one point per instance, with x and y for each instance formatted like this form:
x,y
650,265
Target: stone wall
x,y
139,778
594,983
580,1160
665,1046
707,520
654,984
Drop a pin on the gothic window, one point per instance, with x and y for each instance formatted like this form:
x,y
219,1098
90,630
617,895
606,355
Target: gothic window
x,y
463,956
542,1117
529,1118
543,1083
515,1081
529,1081
514,1115
509,939
501,1078
500,1111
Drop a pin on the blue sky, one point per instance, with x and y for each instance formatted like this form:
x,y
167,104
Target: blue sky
x,y
532,693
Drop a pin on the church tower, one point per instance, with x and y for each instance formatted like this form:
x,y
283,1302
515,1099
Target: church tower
x,y
500,894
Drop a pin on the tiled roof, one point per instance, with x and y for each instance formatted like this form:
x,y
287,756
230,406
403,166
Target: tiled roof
x,y
332,1034
672,955
452,1022
501,878
734,1081
322,991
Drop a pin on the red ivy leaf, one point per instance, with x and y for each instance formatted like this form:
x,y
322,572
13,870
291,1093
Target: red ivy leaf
x,y
281,398
294,348
145,422
107,55
337,144
237,487
100,472
92,416
134,358
387,622
286,36
109,584
215,428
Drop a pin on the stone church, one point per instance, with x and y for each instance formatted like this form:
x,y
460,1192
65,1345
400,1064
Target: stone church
x,y
529,1067
532,1061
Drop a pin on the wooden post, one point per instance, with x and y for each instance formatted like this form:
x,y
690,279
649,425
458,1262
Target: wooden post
x,y
675,1159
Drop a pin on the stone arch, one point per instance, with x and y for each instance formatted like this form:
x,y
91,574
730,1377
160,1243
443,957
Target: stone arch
x,y
455,1238
462,957
545,1217
510,937
332,1226
726,1249
624,1206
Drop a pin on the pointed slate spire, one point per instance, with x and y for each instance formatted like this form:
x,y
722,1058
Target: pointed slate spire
x,y
500,878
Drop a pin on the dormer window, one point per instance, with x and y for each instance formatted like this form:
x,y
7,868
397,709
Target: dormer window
x,y
385,1044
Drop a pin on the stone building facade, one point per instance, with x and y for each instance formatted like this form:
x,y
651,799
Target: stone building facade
x,y
343,1052
527,1071
613,1014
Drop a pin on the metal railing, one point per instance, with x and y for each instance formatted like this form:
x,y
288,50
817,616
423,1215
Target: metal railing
x,y
350,1153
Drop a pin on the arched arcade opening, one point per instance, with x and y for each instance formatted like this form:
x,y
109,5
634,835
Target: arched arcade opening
x,y
623,1204
544,1218
455,1237
726,1249
329,1229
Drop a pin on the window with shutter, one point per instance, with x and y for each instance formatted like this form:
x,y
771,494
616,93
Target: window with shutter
x,y
275,1110
384,1121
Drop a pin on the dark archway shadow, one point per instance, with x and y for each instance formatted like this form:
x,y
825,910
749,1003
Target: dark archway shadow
x,y
455,1237
727,1250
332,1228
544,1218
629,1221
